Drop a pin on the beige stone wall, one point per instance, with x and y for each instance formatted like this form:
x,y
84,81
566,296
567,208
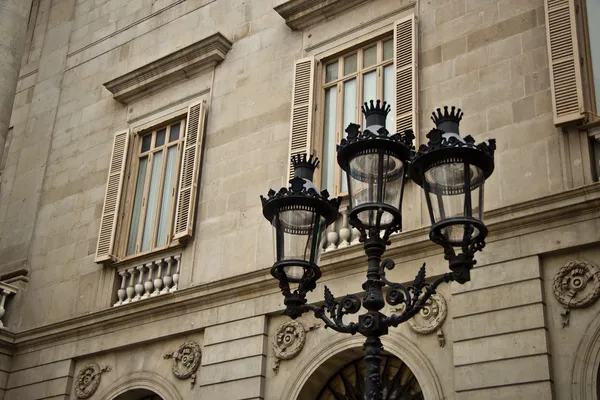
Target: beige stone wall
x,y
488,57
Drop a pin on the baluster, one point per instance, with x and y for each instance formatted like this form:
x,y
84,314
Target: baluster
x,y
167,279
176,274
332,238
344,231
355,236
139,287
2,309
130,290
122,293
148,285
158,279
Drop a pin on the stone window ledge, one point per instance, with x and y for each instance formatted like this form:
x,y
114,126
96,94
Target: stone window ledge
x,y
172,68
299,14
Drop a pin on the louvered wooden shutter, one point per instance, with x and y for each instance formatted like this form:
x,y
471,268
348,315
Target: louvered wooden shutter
x,y
406,67
302,109
563,54
112,197
190,168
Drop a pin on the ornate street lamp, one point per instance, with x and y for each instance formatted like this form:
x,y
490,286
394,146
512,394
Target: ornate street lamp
x,y
452,171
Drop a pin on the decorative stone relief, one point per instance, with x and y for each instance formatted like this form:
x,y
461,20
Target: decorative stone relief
x,y
576,285
186,361
88,379
430,318
289,340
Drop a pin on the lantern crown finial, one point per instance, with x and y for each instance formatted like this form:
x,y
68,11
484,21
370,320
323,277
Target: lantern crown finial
x,y
304,166
447,121
375,113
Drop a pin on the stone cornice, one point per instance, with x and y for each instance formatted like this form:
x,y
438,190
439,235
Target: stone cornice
x,y
174,67
515,220
299,14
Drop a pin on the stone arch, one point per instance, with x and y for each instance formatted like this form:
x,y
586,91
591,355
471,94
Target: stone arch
x,y
586,365
395,344
142,380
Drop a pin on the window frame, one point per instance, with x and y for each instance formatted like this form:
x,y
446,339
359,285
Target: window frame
x,y
128,196
357,47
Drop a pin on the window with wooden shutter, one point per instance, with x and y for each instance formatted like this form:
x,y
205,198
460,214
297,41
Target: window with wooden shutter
x,y
190,169
563,54
302,109
406,68
382,68
112,197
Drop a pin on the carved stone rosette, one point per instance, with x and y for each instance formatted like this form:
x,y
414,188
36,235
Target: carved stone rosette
x,y
289,340
576,285
430,318
88,379
186,361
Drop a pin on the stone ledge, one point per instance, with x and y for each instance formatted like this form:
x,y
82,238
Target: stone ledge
x,y
299,14
174,67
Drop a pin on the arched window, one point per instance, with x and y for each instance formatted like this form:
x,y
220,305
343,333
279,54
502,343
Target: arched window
x,y
347,383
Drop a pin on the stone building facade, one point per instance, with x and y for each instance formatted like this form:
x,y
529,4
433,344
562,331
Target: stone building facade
x,y
134,257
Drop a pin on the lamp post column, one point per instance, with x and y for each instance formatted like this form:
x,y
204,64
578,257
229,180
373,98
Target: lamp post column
x,y
14,15
372,323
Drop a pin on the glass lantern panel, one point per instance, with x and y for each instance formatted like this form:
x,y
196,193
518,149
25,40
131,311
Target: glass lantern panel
x,y
368,187
298,237
445,186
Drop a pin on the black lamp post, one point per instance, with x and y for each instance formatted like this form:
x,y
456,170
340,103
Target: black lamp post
x,y
452,171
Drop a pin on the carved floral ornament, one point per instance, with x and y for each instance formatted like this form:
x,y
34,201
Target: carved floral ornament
x,y
186,361
576,285
289,340
430,318
88,379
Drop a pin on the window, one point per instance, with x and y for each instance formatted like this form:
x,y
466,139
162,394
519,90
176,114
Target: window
x,y
593,15
158,159
383,66
157,188
348,81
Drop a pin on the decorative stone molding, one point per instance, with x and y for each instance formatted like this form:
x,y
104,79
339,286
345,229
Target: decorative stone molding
x,y
299,14
174,67
430,318
186,361
576,285
289,340
88,379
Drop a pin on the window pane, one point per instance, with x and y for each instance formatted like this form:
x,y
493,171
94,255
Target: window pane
x,y
388,49
331,72
137,206
593,12
329,139
350,64
349,116
152,200
388,93
369,88
160,137
146,142
369,56
174,133
165,203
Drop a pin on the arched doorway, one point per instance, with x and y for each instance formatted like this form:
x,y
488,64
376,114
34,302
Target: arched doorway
x,y
398,381
138,394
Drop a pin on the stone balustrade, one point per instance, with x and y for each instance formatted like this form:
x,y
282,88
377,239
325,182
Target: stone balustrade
x,y
146,280
340,234
5,291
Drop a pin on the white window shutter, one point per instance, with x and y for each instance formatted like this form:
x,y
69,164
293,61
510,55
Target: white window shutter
x,y
406,70
112,198
302,109
563,55
190,168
